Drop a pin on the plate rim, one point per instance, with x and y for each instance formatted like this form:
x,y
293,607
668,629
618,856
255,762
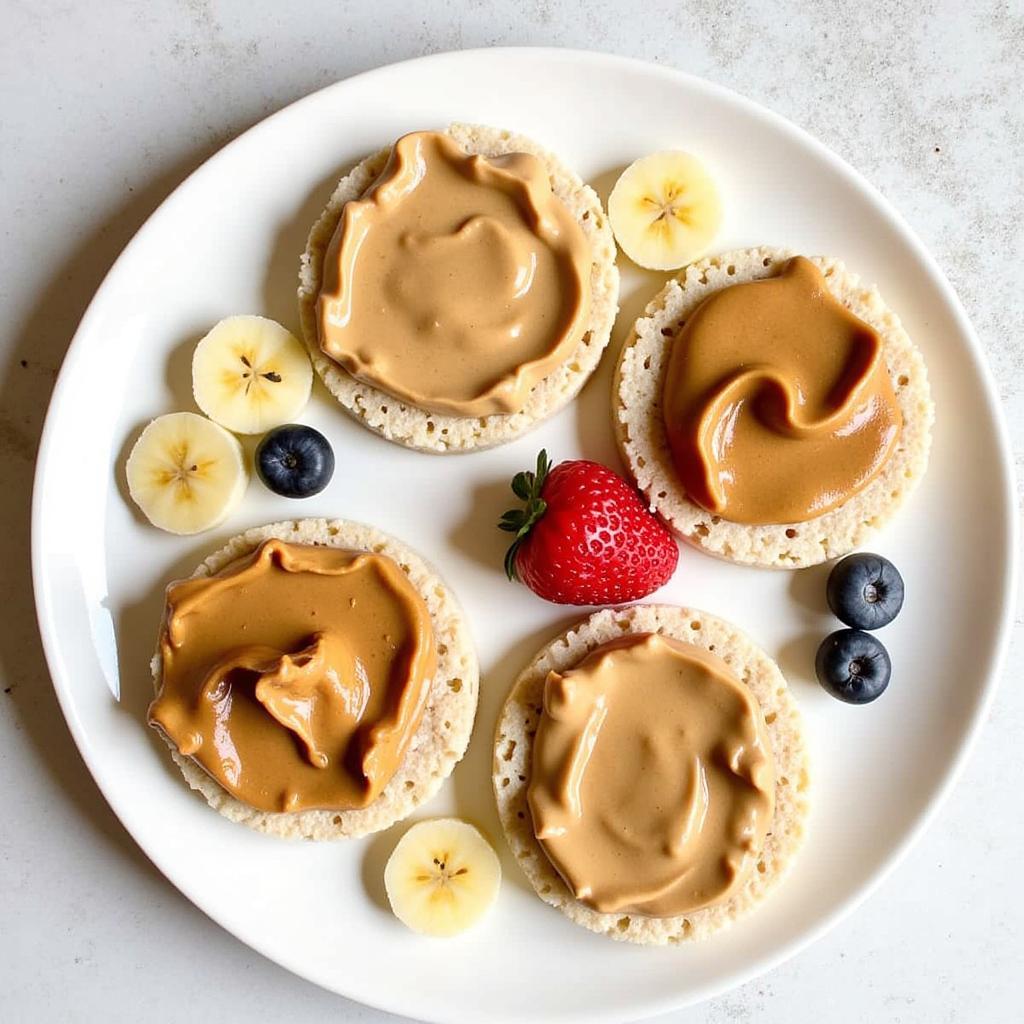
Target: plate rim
x,y
996,658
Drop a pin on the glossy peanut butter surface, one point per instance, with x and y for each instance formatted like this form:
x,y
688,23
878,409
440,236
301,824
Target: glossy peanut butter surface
x,y
652,783
455,283
777,403
296,676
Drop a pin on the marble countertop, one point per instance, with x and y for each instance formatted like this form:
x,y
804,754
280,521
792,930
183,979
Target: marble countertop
x,y
107,106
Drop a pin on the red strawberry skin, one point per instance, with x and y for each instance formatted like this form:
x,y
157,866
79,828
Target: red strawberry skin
x,y
596,543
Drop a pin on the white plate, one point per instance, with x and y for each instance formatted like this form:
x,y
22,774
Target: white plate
x,y
228,241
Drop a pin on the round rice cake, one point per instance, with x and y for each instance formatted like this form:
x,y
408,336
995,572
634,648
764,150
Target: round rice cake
x,y
640,430
430,432
440,739
513,758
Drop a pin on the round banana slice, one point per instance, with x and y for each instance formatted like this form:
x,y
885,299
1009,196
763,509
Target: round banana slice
x,y
442,877
664,210
186,473
251,374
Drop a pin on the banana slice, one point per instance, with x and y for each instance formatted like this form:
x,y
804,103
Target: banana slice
x,y
441,877
665,210
251,374
186,473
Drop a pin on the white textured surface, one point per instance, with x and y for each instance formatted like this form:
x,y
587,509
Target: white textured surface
x,y
107,106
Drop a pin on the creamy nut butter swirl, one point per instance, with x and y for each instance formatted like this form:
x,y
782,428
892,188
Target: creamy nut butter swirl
x,y
652,785
297,675
777,403
455,283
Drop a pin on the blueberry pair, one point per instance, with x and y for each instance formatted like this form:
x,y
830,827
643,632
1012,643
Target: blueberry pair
x,y
866,592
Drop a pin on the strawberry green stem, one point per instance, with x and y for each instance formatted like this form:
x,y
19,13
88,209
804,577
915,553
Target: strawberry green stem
x,y
527,487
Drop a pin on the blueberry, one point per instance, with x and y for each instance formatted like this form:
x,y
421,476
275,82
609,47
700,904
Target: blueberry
x,y
865,591
295,461
853,666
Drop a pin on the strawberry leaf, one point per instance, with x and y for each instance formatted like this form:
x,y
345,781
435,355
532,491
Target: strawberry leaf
x,y
510,562
526,486
522,484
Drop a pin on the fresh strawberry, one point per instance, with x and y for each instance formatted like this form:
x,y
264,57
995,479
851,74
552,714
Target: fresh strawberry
x,y
584,536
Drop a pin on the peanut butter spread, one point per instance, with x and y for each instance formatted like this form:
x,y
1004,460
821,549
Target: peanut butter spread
x,y
455,283
296,676
777,402
652,785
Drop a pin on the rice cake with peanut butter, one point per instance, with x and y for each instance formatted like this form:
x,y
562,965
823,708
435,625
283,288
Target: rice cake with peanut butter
x,y
782,803
403,771
394,390
876,486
